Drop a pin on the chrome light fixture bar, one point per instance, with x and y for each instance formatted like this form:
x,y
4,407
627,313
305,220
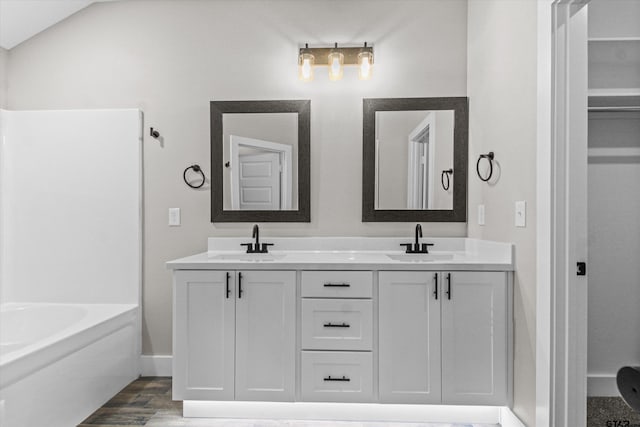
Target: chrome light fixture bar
x,y
335,58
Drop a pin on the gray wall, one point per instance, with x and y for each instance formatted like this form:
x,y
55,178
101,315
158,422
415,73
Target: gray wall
x,y
170,58
3,77
502,60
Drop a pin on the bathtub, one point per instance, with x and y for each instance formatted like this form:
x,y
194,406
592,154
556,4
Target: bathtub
x,y
60,362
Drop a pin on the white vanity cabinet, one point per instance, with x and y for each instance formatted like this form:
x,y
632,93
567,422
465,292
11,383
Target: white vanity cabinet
x,y
443,337
234,335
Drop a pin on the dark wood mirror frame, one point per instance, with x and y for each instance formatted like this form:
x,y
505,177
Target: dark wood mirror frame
x,y
460,106
303,108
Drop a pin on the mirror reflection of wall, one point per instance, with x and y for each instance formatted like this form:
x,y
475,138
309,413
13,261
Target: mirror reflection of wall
x,y
261,151
412,150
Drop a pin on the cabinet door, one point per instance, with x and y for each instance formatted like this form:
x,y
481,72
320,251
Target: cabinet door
x,y
474,339
265,336
203,336
409,337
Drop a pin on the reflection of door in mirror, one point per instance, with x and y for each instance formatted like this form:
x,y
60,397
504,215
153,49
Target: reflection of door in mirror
x,y
412,149
420,168
261,174
260,153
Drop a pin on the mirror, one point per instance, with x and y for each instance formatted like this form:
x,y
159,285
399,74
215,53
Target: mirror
x,y
415,159
260,161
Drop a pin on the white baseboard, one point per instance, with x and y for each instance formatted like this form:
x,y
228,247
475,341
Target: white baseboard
x,y
509,419
602,385
155,366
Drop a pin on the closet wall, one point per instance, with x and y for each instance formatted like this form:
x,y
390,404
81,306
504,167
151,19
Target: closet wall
x,y
614,191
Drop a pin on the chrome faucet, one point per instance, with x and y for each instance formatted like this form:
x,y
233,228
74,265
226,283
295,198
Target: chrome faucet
x,y
417,248
255,248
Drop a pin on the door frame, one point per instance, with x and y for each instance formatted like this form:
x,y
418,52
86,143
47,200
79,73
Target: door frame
x,y
561,307
429,122
286,161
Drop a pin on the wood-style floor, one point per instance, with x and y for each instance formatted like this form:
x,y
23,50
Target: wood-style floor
x,y
147,402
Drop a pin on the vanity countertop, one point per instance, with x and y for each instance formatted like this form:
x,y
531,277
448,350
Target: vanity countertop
x,y
351,253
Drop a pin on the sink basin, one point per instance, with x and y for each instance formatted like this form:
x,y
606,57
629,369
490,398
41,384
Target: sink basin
x,y
248,257
420,257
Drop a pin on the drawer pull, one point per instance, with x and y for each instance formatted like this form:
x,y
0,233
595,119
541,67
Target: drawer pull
x,y
334,325
330,378
336,285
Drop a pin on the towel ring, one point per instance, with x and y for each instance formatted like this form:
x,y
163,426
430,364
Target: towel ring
x,y
446,173
196,168
489,156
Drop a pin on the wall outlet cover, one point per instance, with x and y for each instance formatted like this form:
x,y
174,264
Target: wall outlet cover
x,y
480,214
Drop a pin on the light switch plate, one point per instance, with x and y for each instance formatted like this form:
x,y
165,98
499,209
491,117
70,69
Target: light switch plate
x,y
480,214
174,217
521,213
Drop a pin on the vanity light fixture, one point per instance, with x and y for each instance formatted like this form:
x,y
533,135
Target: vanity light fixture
x,y
335,58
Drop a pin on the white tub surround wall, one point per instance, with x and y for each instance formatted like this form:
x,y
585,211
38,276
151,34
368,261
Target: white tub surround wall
x,y
345,320
72,204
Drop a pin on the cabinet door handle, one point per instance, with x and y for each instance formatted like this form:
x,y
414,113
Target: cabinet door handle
x,y
448,285
330,378
239,285
336,285
228,290
435,293
337,325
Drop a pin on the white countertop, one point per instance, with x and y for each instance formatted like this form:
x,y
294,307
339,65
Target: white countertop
x,y
351,253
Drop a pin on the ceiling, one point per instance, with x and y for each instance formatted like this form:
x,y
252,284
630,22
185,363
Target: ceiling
x,y
23,19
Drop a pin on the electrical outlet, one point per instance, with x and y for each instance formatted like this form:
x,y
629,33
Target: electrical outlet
x,y
480,214
174,217
521,214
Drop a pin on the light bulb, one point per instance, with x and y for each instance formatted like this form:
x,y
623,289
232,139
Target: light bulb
x,y
365,62
365,69
336,60
305,66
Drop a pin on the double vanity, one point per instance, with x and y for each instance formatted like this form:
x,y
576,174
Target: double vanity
x,y
342,320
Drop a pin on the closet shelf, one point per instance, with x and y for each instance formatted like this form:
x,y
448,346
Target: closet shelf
x,y
616,152
613,39
614,92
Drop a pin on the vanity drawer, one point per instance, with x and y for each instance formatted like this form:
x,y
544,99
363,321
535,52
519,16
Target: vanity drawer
x,y
337,376
337,324
337,284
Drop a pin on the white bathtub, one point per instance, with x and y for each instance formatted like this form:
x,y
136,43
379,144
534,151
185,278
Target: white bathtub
x,y
60,362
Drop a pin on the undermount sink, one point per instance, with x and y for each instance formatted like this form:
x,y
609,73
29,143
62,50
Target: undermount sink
x,y
420,257
257,257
